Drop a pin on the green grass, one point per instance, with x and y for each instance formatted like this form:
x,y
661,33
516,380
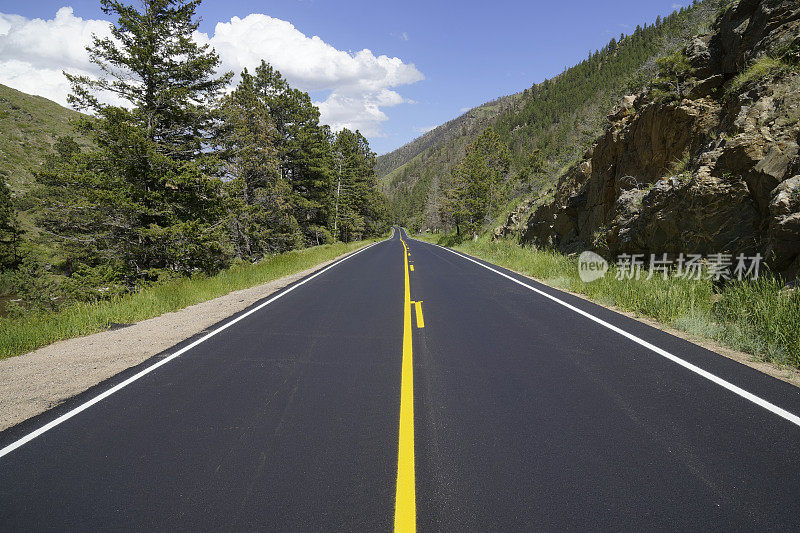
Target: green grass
x,y
29,126
761,69
23,334
754,317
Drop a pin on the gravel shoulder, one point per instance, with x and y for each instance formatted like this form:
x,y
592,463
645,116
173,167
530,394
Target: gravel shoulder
x,y
37,381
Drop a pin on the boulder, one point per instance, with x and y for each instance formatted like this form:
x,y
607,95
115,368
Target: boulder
x,y
768,173
706,87
699,56
622,109
783,249
704,215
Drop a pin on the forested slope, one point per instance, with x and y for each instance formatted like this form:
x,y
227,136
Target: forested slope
x,y
545,128
189,177
474,119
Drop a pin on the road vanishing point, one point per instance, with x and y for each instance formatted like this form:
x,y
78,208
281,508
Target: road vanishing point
x,y
408,386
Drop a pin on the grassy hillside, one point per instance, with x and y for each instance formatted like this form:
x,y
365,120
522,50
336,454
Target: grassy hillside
x,y
29,125
546,127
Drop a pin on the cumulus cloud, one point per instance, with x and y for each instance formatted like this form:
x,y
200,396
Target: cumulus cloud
x,y
33,52
360,83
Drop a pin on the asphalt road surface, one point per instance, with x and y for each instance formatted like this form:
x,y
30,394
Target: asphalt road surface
x,y
450,397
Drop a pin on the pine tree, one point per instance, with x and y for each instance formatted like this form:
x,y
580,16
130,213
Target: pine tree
x,y
304,147
359,210
150,178
261,219
156,66
10,231
478,183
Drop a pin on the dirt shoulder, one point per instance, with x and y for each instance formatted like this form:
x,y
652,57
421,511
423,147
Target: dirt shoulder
x,y
37,381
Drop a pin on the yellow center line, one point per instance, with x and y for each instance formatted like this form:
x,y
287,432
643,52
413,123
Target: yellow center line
x,y
405,505
412,268
418,308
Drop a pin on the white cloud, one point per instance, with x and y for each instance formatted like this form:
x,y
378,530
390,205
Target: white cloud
x,y
33,52
404,36
424,129
360,83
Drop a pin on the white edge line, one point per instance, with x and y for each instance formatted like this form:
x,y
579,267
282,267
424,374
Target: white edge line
x,y
69,414
783,413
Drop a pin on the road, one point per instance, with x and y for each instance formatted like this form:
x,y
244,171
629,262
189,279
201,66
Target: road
x,y
451,397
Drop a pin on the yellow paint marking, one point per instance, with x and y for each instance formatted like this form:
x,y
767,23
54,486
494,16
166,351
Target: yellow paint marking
x,y
405,503
411,267
418,309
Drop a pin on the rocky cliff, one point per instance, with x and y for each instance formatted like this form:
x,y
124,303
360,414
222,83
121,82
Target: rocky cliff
x,y
705,160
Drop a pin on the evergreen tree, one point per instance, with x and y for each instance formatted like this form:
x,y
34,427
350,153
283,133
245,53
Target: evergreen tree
x,y
359,209
83,211
674,69
304,147
479,181
156,66
10,232
150,179
261,219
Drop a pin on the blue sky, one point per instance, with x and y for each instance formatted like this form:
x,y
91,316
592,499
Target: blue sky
x,y
467,52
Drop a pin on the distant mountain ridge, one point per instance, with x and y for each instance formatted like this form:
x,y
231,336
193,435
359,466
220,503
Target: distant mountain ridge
x,y
443,133
547,127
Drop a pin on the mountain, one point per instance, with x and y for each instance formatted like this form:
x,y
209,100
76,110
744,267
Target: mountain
x,y
546,127
408,176
474,119
705,160
29,126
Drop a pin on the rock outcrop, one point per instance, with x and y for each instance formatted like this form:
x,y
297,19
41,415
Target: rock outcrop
x,y
715,168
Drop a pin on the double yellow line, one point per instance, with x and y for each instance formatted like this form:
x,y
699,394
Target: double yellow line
x,y
405,507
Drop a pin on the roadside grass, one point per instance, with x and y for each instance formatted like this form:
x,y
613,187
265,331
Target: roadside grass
x,y
755,317
20,335
760,69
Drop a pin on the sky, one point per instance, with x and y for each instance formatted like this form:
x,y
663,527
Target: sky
x,y
393,70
